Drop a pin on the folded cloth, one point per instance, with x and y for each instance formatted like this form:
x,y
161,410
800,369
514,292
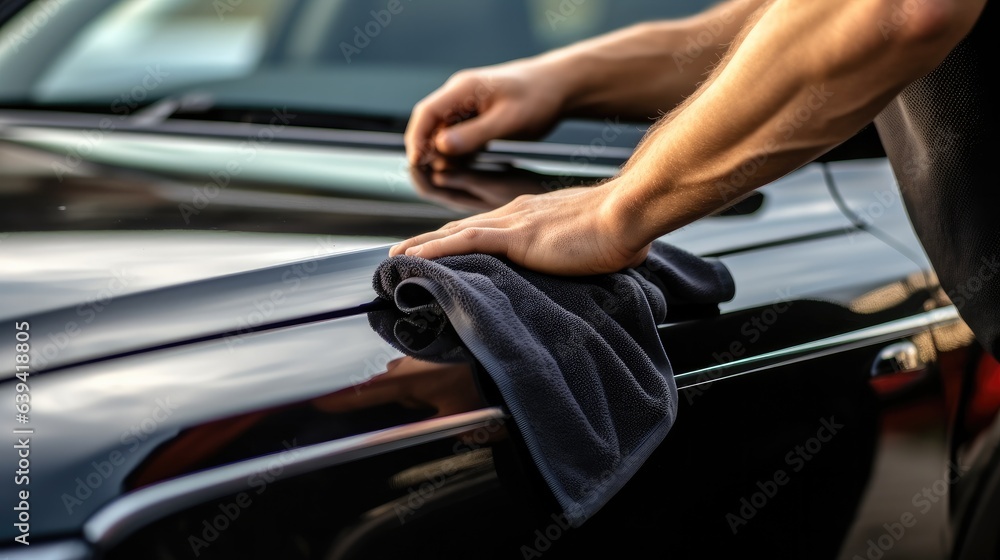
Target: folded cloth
x,y
577,360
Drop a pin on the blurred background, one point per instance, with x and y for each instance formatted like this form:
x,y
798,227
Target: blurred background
x,y
373,56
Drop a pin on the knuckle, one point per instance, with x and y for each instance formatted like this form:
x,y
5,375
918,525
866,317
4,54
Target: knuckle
x,y
472,83
457,80
422,107
462,75
471,234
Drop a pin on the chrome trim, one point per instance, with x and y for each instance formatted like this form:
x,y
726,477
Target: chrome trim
x,y
818,348
554,149
60,550
26,119
118,519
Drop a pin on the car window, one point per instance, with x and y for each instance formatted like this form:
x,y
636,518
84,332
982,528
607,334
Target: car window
x,y
187,38
93,51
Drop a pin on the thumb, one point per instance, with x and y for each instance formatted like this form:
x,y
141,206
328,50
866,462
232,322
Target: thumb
x,y
471,135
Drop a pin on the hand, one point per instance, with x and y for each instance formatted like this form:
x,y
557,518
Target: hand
x,y
519,99
571,232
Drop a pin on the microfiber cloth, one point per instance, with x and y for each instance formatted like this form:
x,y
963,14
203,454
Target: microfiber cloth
x,y
577,360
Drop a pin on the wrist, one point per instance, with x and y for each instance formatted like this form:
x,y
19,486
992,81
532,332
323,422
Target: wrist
x,y
562,73
627,212
642,204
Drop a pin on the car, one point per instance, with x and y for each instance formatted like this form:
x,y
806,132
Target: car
x,y
194,197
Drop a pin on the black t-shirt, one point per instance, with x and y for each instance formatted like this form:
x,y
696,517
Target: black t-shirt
x,y
941,135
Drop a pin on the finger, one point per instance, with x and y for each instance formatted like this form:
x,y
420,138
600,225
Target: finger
x,y
444,230
402,247
419,131
472,135
463,242
429,115
487,220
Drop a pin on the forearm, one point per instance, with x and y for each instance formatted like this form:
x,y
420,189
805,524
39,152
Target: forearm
x,y
645,70
807,76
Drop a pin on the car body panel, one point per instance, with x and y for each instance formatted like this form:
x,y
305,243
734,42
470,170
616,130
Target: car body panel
x,y
225,269
223,348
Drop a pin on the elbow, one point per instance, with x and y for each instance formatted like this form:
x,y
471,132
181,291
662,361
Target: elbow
x,y
914,23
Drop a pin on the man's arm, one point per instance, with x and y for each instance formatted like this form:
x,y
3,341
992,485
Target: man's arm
x,y
639,72
645,70
804,77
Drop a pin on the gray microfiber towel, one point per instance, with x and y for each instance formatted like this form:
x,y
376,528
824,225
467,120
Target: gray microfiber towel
x,y
577,361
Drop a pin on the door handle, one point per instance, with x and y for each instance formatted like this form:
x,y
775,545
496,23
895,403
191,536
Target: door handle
x,y
898,357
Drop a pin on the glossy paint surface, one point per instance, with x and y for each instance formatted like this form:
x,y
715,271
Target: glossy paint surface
x,y
259,352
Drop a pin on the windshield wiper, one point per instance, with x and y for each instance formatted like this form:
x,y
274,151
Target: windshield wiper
x,y
167,107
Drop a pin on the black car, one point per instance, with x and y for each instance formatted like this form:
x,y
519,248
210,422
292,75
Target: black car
x,y
194,197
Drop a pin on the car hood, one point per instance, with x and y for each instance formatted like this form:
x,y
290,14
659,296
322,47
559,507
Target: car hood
x,y
91,214
84,270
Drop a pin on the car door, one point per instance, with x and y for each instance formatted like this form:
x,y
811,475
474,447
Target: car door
x,y
813,421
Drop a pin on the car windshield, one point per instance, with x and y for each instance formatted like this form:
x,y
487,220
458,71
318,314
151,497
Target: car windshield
x,y
375,57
